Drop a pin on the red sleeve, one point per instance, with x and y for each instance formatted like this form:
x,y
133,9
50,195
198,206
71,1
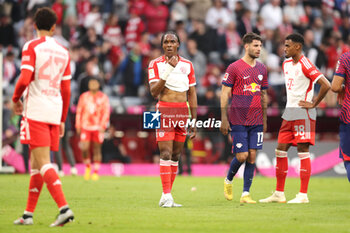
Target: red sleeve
x,y
192,77
153,74
22,83
65,92
67,73
309,70
28,57
230,76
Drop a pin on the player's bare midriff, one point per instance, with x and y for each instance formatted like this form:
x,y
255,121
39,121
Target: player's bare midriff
x,y
168,95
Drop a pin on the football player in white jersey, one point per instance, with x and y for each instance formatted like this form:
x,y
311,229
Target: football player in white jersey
x,y
45,75
172,82
299,117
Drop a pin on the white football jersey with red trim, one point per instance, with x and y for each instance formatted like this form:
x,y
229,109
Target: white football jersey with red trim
x,y
50,63
299,79
180,79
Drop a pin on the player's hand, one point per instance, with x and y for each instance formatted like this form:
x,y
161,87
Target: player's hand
x,y
306,104
18,107
61,129
78,130
225,127
340,96
173,61
193,132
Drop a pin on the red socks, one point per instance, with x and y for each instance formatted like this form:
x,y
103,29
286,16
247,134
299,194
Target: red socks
x,y
35,185
96,167
174,166
53,184
305,170
281,169
165,175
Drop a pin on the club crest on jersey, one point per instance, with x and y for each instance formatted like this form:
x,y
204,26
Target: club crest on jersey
x,y
260,77
253,87
239,145
183,70
225,77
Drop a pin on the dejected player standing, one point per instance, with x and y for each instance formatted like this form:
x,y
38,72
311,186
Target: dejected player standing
x,y
299,117
341,85
172,81
45,75
246,82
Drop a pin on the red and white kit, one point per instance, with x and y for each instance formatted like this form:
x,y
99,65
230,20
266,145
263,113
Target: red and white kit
x,y
92,115
45,74
180,80
298,123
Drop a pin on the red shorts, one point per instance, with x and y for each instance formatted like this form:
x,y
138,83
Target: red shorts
x,y
39,134
91,136
298,131
174,118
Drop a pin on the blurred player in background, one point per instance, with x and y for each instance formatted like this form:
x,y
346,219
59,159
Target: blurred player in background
x,y
246,82
91,122
172,81
45,75
341,85
299,117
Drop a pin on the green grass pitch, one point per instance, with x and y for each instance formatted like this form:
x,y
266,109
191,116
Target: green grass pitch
x,y
130,204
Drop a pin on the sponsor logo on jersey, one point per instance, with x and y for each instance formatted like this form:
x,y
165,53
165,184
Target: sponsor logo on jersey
x,y
253,87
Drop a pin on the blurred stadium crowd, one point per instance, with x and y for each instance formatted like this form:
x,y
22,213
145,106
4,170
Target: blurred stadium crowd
x,y
114,40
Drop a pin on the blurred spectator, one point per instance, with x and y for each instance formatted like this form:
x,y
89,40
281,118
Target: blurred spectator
x,y
10,124
131,71
91,40
272,14
312,52
179,13
138,6
59,8
294,12
197,58
213,77
83,8
11,70
70,31
94,20
218,16
244,23
156,15
336,48
233,44
198,9
112,148
7,32
318,30
134,29
204,37
91,71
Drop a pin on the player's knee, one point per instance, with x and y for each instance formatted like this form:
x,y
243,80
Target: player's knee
x,y
175,156
242,157
165,155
